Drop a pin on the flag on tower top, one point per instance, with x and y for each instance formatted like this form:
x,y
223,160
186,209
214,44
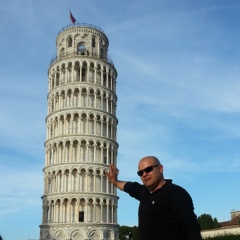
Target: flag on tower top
x,y
72,18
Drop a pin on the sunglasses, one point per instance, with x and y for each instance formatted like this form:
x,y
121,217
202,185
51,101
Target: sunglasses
x,y
146,170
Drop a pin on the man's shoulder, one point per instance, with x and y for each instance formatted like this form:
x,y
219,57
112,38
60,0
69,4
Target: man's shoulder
x,y
176,190
174,186
130,185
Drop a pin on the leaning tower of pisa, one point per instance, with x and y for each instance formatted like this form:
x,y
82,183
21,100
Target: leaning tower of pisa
x,y
78,201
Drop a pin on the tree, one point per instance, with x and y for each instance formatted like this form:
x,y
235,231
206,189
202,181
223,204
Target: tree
x,y
216,223
206,222
123,232
135,233
128,233
1,237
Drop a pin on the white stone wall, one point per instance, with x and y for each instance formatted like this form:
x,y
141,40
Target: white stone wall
x,y
220,232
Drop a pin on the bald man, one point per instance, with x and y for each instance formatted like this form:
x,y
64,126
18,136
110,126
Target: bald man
x,y
166,210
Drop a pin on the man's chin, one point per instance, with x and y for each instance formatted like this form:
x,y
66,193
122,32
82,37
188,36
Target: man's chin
x,y
148,185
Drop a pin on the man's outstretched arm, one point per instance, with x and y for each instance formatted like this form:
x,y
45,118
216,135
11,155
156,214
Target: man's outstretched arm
x,y
112,176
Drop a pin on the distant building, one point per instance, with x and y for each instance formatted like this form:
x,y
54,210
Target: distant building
x,y
228,227
78,201
235,220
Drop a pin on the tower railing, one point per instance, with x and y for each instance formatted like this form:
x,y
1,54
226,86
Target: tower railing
x,y
61,56
82,25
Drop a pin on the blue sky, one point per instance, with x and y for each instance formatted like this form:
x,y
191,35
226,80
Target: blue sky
x,y
178,98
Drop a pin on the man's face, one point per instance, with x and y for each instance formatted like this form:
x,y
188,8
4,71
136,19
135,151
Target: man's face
x,y
153,178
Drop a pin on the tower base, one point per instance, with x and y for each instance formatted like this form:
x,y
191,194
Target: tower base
x,y
76,232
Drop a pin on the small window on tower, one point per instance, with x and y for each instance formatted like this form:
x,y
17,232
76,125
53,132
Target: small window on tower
x,y
93,42
81,216
69,42
83,72
101,53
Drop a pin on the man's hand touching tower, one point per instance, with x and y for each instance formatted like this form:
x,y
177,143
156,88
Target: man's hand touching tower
x,y
112,176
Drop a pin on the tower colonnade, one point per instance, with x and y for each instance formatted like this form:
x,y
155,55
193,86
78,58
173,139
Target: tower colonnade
x,y
92,71
66,210
78,201
93,98
81,122
77,180
79,151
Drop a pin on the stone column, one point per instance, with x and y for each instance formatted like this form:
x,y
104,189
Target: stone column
x,y
68,211
107,205
87,74
95,75
80,72
101,76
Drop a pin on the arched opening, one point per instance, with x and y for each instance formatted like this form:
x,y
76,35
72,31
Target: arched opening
x,y
69,41
81,49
